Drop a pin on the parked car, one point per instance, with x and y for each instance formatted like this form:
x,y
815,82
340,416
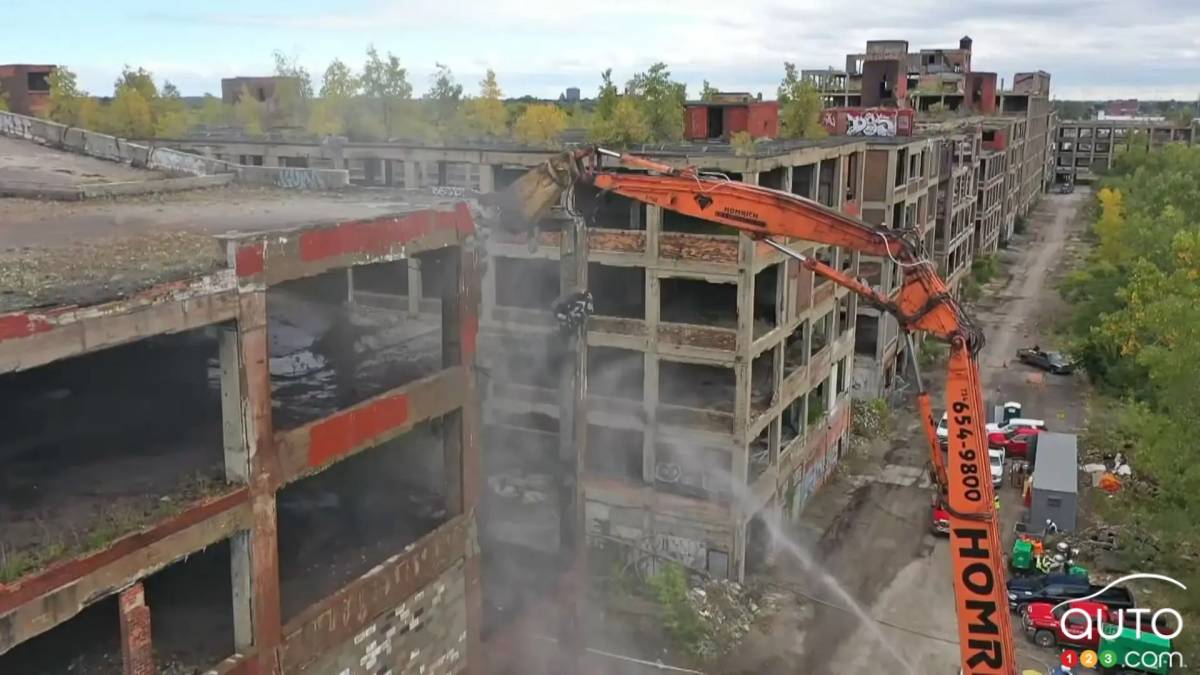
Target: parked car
x,y
1016,423
1015,442
943,429
1055,588
1066,188
996,461
1051,362
1043,623
939,517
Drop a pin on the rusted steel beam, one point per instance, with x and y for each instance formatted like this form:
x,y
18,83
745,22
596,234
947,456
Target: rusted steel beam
x,y
344,613
721,250
307,448
38,602
33,338
262,260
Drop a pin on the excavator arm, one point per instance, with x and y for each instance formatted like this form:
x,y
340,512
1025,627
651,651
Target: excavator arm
x,y
923,303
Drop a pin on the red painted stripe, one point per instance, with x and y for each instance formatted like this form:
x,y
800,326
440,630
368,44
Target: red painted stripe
x,y
470,333
251,259
22,325
60,574
344,431
466,224
372,236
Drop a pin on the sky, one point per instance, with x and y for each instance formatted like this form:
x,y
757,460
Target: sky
x,y
1094,49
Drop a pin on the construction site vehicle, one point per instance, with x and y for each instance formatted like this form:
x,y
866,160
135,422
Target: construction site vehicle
x,y
1136,650
923,305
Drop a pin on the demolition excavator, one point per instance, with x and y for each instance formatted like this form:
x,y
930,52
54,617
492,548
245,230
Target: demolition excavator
x,y
923,304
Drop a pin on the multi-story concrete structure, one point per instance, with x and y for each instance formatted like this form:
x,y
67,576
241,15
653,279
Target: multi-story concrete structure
x,y
1084,149
243,453
27,88
899,192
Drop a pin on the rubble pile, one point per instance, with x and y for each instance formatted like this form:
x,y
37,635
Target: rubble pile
x,y
728,610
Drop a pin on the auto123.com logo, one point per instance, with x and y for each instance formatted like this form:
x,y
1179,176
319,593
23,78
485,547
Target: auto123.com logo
x,y
1078,624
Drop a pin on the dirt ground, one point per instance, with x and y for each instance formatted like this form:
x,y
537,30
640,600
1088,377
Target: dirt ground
x,y
871,530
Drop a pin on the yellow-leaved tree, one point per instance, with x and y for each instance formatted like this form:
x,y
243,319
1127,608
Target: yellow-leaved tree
x,y
541,124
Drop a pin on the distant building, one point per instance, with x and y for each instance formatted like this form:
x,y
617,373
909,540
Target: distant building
x,y
727,113
261,88
1121,108
571,95
27,87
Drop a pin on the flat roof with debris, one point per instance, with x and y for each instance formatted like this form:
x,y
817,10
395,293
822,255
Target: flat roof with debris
x,y
27,164
77,253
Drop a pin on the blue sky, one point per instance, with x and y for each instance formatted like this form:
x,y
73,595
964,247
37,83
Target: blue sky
x,y
1093,48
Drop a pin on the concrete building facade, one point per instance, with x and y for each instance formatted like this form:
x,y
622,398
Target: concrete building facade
x,y
241,453
1084,149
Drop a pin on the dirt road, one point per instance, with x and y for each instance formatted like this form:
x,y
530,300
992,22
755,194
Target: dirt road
x,y
878,545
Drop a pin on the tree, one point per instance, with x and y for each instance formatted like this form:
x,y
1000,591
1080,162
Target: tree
x,y
743,144
214,112
65,97
292,92
486,114
171,119
626,126
141,79
130,115
540,124
661,101
606,100
3,100
248,112
445,95
387,82
799,106
707,92
339,81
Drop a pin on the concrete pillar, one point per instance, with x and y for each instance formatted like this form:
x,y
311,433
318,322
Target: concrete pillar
x,y
650,393
237,451
414,287
389,172
349,285
412,178
750,177
137,652
487,178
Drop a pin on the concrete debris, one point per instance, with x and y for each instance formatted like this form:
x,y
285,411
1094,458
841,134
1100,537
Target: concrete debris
x,y
533,488
729,610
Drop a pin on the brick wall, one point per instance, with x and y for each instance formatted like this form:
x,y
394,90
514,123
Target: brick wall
x,y
425,635
137,653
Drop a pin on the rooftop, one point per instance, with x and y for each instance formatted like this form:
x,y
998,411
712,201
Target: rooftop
x,y
60,253
25,164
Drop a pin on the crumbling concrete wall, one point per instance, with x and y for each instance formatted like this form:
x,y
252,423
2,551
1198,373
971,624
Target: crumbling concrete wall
x,y
104,146
701,542
426,633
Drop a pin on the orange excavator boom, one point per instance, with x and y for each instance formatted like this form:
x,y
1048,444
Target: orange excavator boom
x,y
922,304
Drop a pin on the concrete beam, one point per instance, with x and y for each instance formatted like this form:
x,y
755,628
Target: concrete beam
x,y
38,602
37,337
308,448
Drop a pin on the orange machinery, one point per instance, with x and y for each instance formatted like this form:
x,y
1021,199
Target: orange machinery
x,y
923,303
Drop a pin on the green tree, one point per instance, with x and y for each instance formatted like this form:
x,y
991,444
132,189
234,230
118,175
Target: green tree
x,y
606,100
707,91
445,97
661,101
541,124
289,102
3,100
799,106
141,79
624,127
486,114
171,118
339,81
386,81
248,112
214,112
130,115
65,97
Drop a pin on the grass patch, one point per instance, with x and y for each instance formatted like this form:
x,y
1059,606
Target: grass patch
x,y
110,524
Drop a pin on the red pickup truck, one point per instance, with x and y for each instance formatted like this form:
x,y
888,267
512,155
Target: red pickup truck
x,y
939,517
1014,442
1044,625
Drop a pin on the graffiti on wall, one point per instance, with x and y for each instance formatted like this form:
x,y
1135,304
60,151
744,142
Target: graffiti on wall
x,y
451,191
870,123
179,162
299,179
15,125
